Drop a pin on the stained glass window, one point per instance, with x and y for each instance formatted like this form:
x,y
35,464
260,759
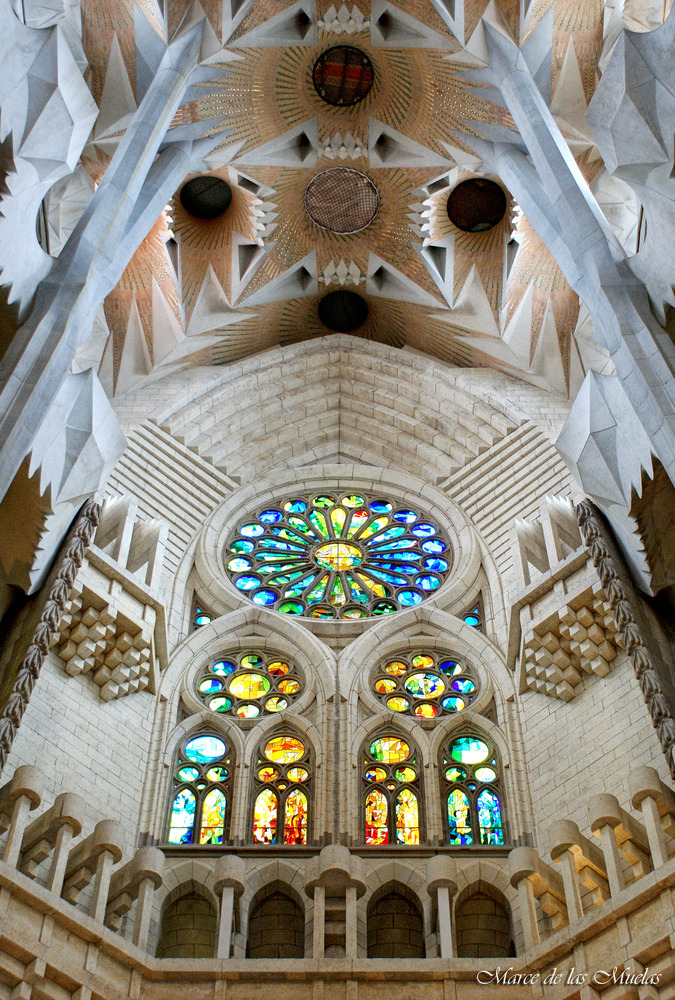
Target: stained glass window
x,y
338,555
391,767
471,787
249,684
424,684
200,617
474,617
200,800
282,789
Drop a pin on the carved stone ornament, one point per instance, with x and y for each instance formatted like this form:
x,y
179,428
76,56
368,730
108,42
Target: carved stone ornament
x,y
645,642
57,592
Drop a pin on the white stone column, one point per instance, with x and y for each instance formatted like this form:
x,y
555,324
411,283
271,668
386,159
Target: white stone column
x,y
230,879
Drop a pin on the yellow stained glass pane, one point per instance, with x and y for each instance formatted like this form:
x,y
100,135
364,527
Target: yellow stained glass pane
x,y
423,661
396,668
278,667
426,711
390,749
377,831
407,818
284,749
376,774
265,817
398,704
268,773
298,774
276,704
289,686
213,818
406,774
384,685
249,686
338,517
295,818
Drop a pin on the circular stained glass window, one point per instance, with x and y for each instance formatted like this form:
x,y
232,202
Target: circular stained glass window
x,y
476,205
425,685
343,76
249,685
341,200
338,555
206,197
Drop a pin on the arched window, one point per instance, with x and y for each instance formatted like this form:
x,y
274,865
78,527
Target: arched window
x,y
276,926
283,779
471,777
200,802
395,926
188,927
483,923
391,798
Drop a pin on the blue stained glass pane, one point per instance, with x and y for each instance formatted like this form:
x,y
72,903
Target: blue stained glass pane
x,y
204,749
239,564
423,530
463,686
380,507
223,667
451,667
405,516
489,818
251,530
453,704
383,552
241,546
390,533
433,546
270,516
396,566
436,565
409,598
473,620
182,817
276,546
428,582
210,685
404,543
297,588
295,506
398,581
248,582
202,619
264,597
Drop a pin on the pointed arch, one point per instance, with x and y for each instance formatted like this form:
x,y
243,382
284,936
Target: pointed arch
x,y
283,786
391,795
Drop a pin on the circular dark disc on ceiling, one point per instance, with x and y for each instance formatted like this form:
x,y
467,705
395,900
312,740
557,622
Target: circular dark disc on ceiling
x,y
343,75
476,205
342,311
206,197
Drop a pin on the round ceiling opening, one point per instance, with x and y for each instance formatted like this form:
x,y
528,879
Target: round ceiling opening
x,y
476,205
343,76
343,311
206,197
342,201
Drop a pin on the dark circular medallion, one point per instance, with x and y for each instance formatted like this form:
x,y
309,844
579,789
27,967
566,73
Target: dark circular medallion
x,y
343,75
476,205
343,311
206,197
341,200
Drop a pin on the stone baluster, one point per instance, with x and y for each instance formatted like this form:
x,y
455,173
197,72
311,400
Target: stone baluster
x,y
535,880
137,879
657,804
53,831
230,880
339,874
93,858
21,794
580,860
619,834
442,883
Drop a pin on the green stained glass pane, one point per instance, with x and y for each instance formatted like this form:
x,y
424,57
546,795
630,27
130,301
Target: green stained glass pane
x,y
455,774
337,595
291,608
322,612
384,608
241,546
319,521
489,818
459,818
389,750
468,750
252,660
424,685
213,818
354,613
357,593
188,774
337,519
220,704
317,592
299,524
376,525
353,500
323,501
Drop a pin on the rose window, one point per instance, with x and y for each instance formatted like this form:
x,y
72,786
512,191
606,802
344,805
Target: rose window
x,y
249,685
425,685
335,555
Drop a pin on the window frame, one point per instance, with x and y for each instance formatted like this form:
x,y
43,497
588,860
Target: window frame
x,y
495,786
366,761
226,786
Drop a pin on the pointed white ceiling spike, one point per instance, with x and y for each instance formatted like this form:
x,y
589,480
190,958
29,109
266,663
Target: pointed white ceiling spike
x,y
298,147
475,51
234,12
569,100
118,103
387,282
135,362
439,260
472,308
576,370
247,258
297,282
547,360
518,332
294,26
452,12
463,159
389,148
166,329
390,25
105,370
